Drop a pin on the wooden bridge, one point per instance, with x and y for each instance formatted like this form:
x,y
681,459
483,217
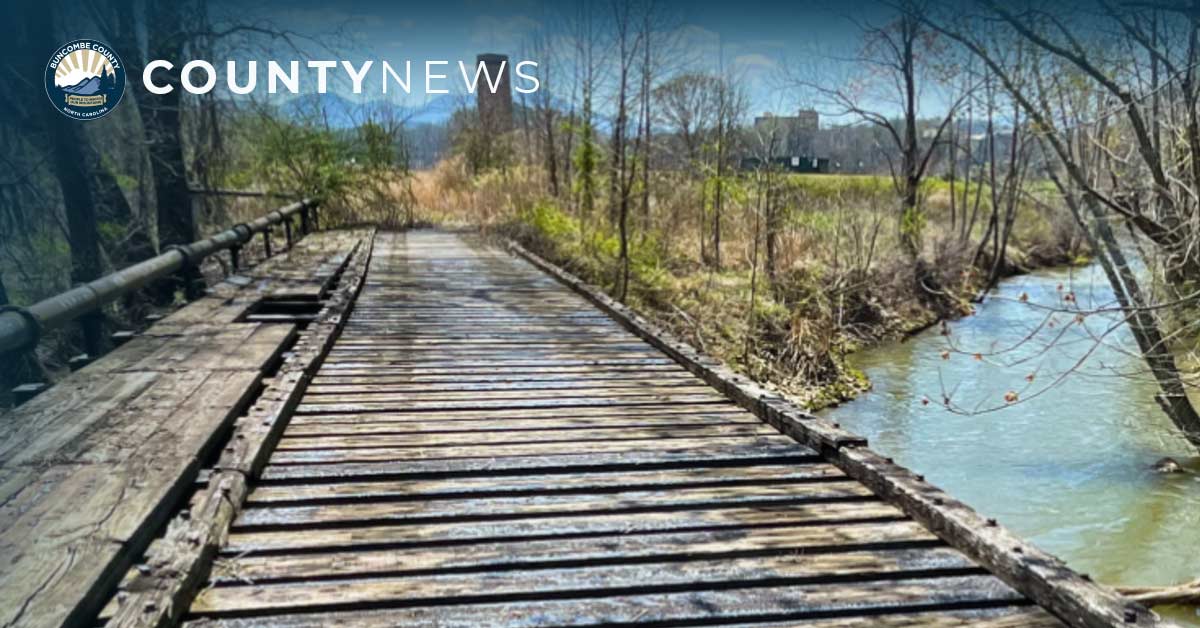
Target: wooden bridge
x,y
406,429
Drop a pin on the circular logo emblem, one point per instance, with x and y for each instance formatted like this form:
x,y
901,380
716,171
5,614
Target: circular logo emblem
x,y
85,79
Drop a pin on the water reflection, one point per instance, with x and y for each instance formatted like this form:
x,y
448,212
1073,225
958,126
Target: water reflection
x,y
1070,468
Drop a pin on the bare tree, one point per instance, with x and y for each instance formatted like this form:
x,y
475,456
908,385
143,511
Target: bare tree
x,y
732,104
547,115
585,156
629,40
895,58
687,106
1096,120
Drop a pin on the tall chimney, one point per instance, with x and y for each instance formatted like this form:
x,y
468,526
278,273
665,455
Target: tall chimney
x,y
495,110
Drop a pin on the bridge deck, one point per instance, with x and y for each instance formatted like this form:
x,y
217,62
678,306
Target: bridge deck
x,y
93,467
482,447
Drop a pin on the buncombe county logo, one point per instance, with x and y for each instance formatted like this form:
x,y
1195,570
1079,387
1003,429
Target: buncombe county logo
x,y
85,79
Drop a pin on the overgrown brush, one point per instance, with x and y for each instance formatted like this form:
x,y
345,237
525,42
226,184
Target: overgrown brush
x,y
840,282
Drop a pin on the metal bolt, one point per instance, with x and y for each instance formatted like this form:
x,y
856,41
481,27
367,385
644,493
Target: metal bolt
x,y
889,460
991,522
1017,549
938,501
920,478
1131,615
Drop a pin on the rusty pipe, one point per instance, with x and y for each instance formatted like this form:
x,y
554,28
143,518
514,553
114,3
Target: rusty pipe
x,y
21,327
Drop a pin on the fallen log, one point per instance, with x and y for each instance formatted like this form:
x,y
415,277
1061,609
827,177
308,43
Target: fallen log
x,y
1187,593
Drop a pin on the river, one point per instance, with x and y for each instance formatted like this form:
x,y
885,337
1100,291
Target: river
x,y
1069,465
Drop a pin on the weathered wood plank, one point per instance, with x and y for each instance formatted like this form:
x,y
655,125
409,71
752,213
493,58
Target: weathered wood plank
x,y
661,479
578,460
660,446
321,442
765,548
309,407
380,394
672,383
792,600
729,517
985,614
494,365
551,504
501,417
470,381
485,427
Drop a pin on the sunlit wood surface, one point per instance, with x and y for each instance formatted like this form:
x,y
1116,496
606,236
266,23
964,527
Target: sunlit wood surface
x,y
484,447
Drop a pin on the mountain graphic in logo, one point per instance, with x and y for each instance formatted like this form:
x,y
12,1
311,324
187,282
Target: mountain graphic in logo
x,y
85,79
86,86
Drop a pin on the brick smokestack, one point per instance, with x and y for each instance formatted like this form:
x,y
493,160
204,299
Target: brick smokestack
x,y
495,110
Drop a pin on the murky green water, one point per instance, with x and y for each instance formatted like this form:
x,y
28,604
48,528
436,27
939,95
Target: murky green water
x,y
1069,468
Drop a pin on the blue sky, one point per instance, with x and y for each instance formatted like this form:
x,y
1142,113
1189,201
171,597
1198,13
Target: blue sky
x,y
757,39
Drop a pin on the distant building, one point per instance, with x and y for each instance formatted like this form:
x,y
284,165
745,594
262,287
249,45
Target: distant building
x,y
793,141
794,135
798,163
495,110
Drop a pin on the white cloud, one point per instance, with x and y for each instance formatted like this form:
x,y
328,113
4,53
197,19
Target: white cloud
x,y
755,61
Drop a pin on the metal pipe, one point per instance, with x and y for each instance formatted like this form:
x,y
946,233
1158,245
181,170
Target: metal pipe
x,y
20,328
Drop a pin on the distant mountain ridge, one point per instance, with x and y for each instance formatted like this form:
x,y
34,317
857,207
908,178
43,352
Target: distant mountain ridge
x,y
342,113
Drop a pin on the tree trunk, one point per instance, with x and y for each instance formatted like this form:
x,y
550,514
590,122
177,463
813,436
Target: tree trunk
x,y
160,114
65,141
772,236
551,153
137,244
910,219
717,194
1172,395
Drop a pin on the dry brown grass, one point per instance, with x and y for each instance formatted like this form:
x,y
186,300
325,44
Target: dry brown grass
x,y
841,280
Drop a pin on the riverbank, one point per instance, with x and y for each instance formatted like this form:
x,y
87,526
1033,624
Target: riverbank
x,y
1072,468
803,328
